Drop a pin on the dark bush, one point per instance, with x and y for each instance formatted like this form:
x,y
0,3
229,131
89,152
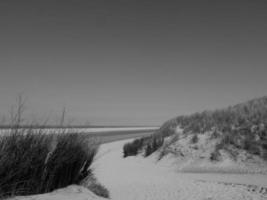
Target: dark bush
x,y
264,151
264,146
149,144
153,145
254,149
91,183
194,139
37,163
132,148
148,150
215,156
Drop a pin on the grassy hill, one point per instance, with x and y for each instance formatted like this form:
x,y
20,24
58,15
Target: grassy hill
x,y
243,126
235,133
244,116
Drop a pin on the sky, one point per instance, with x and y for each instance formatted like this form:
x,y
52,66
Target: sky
x,y
130,62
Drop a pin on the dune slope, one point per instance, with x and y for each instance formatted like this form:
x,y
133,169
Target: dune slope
x,y
146,179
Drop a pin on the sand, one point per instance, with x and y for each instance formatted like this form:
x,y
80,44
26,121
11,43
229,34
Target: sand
x,y
145,179
138,178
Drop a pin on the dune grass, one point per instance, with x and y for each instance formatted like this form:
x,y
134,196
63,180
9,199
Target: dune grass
x,y
91,183
148,145
151,143
35,163
133,148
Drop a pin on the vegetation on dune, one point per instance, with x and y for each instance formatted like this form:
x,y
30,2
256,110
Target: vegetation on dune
x,y
35,162
194,139
93,185
133,148
38,163
153,145
249,117
147,144
243,126
150,144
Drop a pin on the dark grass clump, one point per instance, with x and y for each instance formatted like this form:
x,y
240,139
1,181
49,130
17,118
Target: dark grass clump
x,y
133,148
153,145
91,183
35,163
99,190
264,151
149,144
215,156
194,139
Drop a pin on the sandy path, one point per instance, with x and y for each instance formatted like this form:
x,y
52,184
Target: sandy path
x,y
142,179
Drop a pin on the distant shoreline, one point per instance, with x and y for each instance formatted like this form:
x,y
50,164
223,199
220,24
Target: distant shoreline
x,y
74,126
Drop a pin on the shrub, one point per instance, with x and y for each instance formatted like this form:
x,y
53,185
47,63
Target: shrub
x,y
215,156
150,144
252,147
148,150
132,148
33,163
99,190
194,139
154,144
264,146
91,183
264,151
215,134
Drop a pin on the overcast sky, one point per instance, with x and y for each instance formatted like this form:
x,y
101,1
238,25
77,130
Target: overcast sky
x,y
131,62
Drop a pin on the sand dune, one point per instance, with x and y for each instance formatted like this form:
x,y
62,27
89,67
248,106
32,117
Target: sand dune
x,y
136,178
144,179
